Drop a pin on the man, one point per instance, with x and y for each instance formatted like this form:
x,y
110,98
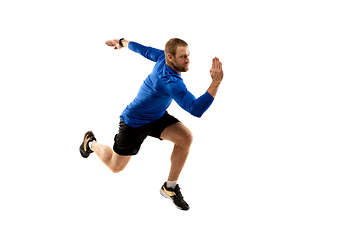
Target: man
x,y
146,115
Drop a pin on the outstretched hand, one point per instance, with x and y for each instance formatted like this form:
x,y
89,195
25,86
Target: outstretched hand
x,y
216,71
113,43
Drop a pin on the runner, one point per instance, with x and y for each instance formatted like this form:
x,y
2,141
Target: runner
x,y
146,115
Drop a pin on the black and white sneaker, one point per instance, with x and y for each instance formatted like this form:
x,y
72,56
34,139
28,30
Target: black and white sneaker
x,y
175,196
85,149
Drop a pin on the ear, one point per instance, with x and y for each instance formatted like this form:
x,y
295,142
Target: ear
x,y
170,57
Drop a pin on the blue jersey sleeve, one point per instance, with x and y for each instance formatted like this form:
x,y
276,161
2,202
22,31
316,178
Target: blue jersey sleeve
x,y
150,53
196,107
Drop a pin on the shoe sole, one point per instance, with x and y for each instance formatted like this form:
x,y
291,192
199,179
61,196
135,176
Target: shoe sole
x,y
83,153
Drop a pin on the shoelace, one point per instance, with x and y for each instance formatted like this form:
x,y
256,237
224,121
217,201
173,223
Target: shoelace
x,y
178,193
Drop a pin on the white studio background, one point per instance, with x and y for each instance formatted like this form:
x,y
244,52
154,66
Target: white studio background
x,y
275,157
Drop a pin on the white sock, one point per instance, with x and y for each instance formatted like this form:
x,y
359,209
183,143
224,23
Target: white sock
x,y
90,144
171,184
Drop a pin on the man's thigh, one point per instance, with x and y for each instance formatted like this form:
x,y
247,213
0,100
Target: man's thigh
x,y
177,133
159,125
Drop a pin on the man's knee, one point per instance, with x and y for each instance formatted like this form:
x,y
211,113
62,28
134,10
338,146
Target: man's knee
x,y
119,163
186,139
117,169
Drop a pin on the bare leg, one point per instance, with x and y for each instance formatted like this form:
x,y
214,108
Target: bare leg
x,y
114,161
182,139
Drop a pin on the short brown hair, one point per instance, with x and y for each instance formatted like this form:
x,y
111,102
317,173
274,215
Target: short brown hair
x,y
173,44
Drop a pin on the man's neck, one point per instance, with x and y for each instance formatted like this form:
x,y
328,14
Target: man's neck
x,y
172,66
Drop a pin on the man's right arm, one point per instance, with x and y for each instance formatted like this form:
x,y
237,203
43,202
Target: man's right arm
x,y
115,43
150,53
125,43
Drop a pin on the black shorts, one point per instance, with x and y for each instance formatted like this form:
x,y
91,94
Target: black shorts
x,y
128,141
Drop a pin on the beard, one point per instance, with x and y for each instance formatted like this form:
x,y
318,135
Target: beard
x,y
182,68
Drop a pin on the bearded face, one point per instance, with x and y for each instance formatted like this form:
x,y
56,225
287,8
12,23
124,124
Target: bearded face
x,y
181,60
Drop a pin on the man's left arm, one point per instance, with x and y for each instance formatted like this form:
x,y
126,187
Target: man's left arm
x,y
177,90
187,101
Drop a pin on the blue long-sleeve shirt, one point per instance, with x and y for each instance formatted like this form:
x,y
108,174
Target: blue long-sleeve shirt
x,y
158,90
